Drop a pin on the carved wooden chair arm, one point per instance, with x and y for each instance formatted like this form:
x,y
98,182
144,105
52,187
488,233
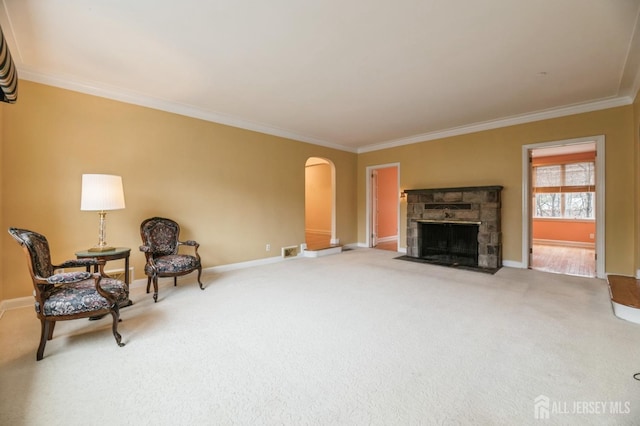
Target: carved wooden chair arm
x,y
78,263
113,299
190,243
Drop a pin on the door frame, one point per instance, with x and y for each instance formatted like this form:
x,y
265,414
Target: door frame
x,y
527,210
369,240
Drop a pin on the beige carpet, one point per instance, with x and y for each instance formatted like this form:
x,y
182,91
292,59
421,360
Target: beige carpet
x,y
352,339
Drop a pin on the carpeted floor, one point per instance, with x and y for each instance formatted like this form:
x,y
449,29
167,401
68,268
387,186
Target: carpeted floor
x,y
351,339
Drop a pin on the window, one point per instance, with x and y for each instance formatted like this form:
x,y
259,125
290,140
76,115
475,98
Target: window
x,y
565,190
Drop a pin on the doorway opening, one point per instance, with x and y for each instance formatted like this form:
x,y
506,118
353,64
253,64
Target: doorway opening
x,y
383,207
320,210
563,202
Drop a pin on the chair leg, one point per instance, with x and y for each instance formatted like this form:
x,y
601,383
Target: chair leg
x,y
52,325
148,284
175,281
115,313
44,333
155,288
200,282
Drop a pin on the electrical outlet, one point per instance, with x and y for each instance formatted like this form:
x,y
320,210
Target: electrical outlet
x,y
268,248
592,236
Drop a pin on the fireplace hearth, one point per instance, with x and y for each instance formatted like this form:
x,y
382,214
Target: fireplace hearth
x,y
455,226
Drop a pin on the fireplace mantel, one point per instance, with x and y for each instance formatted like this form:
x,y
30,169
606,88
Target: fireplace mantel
x,y
459,189
473,204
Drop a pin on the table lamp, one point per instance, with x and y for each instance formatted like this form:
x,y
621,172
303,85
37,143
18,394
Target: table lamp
x,y
102,193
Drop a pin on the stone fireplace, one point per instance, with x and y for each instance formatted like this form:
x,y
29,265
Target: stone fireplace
x,y
455,226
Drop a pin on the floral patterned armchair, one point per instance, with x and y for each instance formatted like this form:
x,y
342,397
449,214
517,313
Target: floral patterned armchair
x,y
68,295
160,239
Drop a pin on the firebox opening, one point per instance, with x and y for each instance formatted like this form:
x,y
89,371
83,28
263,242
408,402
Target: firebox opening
x,y
449,243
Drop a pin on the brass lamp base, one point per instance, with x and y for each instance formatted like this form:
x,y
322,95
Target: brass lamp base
x,y
101,249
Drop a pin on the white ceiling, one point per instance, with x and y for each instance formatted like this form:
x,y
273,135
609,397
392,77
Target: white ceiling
x,y
357,75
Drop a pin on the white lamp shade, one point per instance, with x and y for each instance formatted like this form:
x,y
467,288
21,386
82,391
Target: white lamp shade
x,y
102,192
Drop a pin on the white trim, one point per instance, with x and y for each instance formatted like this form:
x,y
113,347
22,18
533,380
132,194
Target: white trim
x,y
242,265
600,197
119,94
513,264
322,252
625,312
503,122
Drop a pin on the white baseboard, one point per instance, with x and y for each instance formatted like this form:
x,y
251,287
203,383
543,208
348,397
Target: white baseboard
x,y
323,252
512,264
626,312
242,265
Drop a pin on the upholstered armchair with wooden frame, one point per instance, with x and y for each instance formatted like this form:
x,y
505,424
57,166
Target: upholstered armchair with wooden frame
x,y
68,295
161,244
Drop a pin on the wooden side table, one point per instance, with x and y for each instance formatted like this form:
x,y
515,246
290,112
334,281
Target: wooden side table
x,y
115,254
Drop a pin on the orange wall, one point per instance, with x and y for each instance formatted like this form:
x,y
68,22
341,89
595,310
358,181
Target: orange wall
x,y
564,230
317,212
388,202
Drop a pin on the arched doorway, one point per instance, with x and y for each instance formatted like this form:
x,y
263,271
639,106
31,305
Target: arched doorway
x,y
319,211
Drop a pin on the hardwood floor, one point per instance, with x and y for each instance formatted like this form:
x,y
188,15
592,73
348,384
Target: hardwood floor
x,y
564,260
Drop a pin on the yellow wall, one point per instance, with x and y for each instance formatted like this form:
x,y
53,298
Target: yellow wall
x,y
236,190
232,190
494,157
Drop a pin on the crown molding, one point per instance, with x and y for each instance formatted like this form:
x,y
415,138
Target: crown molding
x,y
134,98
503,122
129,97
